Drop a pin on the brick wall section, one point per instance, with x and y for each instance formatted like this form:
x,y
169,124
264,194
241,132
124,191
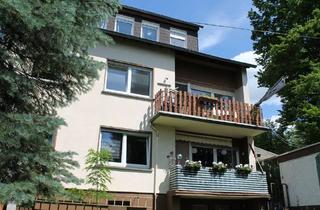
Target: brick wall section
x,y
137,27
164,35
192,41
111,23
135,200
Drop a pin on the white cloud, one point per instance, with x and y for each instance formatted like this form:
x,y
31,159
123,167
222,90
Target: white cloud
x,y
274,117
210,36
255,92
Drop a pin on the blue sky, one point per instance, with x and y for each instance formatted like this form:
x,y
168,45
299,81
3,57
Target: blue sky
x,y
227,43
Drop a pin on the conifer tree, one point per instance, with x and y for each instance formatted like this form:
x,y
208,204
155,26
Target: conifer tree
x,y
44,65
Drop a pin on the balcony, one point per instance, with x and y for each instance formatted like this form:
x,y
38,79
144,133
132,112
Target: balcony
x,y
207,115
229,185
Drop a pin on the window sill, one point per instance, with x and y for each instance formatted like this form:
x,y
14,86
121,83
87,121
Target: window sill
x,y
147,170
126,95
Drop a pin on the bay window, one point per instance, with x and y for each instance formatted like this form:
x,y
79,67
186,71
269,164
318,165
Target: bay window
x,y
129,79
127,149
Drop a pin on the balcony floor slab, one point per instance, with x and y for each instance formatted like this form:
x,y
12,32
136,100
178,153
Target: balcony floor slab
x,y
205,125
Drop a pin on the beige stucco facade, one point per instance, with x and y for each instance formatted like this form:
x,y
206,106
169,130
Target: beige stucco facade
x,y
99,108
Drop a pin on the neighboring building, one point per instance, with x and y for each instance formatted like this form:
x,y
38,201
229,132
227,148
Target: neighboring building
x,y
300,176
159,97
263,154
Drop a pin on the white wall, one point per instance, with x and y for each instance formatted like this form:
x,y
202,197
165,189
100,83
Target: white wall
x,y
163,156
252,159
94,109
242,93
302,179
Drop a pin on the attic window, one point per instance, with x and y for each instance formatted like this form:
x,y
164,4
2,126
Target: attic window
x,y
150,31
178,37
124,25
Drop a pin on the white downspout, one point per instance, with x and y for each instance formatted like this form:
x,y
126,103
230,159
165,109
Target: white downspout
x,y
155,167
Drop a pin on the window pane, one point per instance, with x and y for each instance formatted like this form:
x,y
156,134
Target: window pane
x,y
140,82
124,26
149,32
181,87
137,150
225,156
225,97
117,79
205,155
177,42
113,143
200,92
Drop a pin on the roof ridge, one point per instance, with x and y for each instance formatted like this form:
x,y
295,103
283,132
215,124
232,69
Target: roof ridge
x,y
162,16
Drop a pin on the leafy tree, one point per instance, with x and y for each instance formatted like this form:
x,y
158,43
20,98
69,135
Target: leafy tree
x,y
277,140
293,52
44,65
98,171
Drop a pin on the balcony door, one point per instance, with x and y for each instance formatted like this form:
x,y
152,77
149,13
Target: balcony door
x,y
212,153
204,154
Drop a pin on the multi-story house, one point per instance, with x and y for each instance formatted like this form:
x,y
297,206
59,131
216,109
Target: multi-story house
x,y
159,102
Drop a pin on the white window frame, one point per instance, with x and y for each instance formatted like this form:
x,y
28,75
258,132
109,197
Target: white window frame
x,y
129,76
124,19
123,163
183,38
147,23
215,151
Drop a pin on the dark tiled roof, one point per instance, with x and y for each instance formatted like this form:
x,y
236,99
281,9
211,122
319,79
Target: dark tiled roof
x,y
126,8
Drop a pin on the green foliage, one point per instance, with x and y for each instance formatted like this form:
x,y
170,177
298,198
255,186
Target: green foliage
x,y
192,165
44,65
277,140
295,56
29,165
243,169
97,166
219,167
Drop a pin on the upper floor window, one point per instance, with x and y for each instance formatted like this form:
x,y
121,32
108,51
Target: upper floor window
x,y
124,25
127,149
150,31
129,79
199,92
224,97
178,37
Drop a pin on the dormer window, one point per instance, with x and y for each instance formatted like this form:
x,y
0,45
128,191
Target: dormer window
x,y
178,37
124,25
150,31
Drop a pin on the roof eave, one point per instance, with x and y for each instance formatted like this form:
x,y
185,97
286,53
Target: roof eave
x,y
180,49
170,19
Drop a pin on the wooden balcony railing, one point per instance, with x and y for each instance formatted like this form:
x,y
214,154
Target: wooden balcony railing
x,y
222,109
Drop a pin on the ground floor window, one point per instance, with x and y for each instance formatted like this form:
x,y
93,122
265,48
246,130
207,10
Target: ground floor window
x,y
208,154
127,148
